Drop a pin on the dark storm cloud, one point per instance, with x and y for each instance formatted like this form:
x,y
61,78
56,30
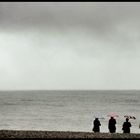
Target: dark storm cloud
x,y
100,20
99,17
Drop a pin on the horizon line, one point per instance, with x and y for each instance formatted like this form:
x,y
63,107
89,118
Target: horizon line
x,y
69,89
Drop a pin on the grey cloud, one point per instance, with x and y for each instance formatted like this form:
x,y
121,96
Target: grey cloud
x,y
97,16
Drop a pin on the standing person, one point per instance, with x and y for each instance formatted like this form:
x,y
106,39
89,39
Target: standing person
x,y
96,125
126,126
111,125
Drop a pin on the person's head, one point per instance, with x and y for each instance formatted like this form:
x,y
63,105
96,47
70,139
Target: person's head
x,y
112,118
127,119
96,118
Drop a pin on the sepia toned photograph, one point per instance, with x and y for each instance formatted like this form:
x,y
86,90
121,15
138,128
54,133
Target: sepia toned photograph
x,y
69,70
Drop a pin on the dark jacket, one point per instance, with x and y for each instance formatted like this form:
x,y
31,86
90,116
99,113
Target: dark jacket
x,y
111,125
97,125
126,127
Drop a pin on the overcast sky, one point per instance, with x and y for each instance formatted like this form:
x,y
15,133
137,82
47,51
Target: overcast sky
x,y
69,45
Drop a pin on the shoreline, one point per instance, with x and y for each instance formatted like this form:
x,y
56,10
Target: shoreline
x,y
65,134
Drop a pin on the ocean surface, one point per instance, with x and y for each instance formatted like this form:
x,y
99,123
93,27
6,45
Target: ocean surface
x,y
67,110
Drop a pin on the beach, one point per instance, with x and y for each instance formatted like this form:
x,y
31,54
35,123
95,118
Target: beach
x,y
64,134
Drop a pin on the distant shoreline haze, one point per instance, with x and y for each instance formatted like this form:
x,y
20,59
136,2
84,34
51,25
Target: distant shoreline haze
x,y
70,90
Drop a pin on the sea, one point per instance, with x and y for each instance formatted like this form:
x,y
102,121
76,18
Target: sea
x,y
67,110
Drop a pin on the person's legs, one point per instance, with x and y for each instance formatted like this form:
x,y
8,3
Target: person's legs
x,y
112,131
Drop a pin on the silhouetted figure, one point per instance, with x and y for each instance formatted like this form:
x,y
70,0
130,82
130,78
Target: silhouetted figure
x,y
96,125
126,126
112,125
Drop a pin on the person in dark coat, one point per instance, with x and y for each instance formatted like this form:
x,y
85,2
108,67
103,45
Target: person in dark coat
x,y
112,125
96,125
126,126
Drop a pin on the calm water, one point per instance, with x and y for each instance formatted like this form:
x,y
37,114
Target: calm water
x,y
66,110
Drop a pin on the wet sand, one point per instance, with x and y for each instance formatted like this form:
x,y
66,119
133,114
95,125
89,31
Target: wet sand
x,y
64,134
